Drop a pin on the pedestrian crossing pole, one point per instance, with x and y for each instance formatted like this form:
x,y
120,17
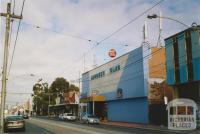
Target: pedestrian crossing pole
x,y
8,16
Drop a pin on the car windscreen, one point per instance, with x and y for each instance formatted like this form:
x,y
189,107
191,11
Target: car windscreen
x,y
14,118
92,116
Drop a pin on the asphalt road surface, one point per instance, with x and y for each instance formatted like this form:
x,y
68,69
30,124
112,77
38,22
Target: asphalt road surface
x,y
45,126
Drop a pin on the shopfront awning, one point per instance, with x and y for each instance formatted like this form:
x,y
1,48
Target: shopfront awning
x,y
61,106
92,98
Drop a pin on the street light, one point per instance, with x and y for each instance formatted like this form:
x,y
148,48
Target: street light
x,y
153,16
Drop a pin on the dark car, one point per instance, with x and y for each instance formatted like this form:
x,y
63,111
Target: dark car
x,y
14,122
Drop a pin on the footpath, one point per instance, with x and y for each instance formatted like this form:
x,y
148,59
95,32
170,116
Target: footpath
x,y
150,127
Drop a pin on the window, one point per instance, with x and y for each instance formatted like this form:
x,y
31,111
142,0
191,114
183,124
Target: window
x,y
190,110
181,110
172,110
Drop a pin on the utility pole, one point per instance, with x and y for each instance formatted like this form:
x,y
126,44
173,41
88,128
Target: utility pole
x,y
79,81
160,30
8,16
49,103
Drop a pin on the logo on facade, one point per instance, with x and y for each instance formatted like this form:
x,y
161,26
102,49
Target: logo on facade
x,y
119,93
182,114
112,53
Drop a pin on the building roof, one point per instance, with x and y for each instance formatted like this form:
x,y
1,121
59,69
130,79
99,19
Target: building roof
x,y
188,29
182,102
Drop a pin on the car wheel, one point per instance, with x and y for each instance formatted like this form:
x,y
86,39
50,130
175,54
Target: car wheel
x,y
87,122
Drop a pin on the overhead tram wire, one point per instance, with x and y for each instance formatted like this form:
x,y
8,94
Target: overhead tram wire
x,y
119,29
131,21
15,43
64,34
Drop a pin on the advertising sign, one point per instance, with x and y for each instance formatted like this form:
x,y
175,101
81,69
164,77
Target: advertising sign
x,y
112,53
182,114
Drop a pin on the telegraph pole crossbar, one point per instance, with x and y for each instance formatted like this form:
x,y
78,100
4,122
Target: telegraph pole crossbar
x,y
8,16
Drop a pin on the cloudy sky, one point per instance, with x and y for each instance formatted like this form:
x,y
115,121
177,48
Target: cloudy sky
x,y
55,34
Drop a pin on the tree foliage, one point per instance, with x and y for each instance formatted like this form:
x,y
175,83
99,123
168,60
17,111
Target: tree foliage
x,y
42,92
72,87
59,85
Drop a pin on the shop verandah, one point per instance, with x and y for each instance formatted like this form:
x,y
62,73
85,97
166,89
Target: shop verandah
x,y
55,110
94,105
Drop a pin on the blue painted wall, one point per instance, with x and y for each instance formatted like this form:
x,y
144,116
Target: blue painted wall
x,y
182,58
170,61
183,67
195,39
132,81
130,110
85,84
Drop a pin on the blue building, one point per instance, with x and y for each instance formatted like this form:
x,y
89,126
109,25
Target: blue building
x,y
118,90
183,63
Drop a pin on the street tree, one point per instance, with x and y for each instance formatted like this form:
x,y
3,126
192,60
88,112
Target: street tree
x,y
60,85
40,96
72,87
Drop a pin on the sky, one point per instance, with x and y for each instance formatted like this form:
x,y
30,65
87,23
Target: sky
x,y
55,35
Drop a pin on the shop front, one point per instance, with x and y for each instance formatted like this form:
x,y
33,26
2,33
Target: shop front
x,y
94,105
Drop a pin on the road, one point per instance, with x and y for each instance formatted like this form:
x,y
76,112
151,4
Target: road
x,y
44,126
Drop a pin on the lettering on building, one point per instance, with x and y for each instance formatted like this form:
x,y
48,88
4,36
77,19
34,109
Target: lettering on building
x,y
114,69
98,75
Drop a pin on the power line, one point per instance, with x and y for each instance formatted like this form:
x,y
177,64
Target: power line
x,y
70,35
16,38
64,34
119,29
137,17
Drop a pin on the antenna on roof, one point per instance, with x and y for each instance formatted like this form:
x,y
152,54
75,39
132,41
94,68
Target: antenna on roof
x,y
160,30
145,32
145,35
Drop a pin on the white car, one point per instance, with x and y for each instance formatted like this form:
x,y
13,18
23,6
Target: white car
x,y
90,119
60,116
69,117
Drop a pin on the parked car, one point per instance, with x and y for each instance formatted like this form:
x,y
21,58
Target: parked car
x,y
25,116
60,116
69,117
90,119
14,122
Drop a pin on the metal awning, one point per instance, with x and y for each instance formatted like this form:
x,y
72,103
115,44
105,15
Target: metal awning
x,y
60,106
92,98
